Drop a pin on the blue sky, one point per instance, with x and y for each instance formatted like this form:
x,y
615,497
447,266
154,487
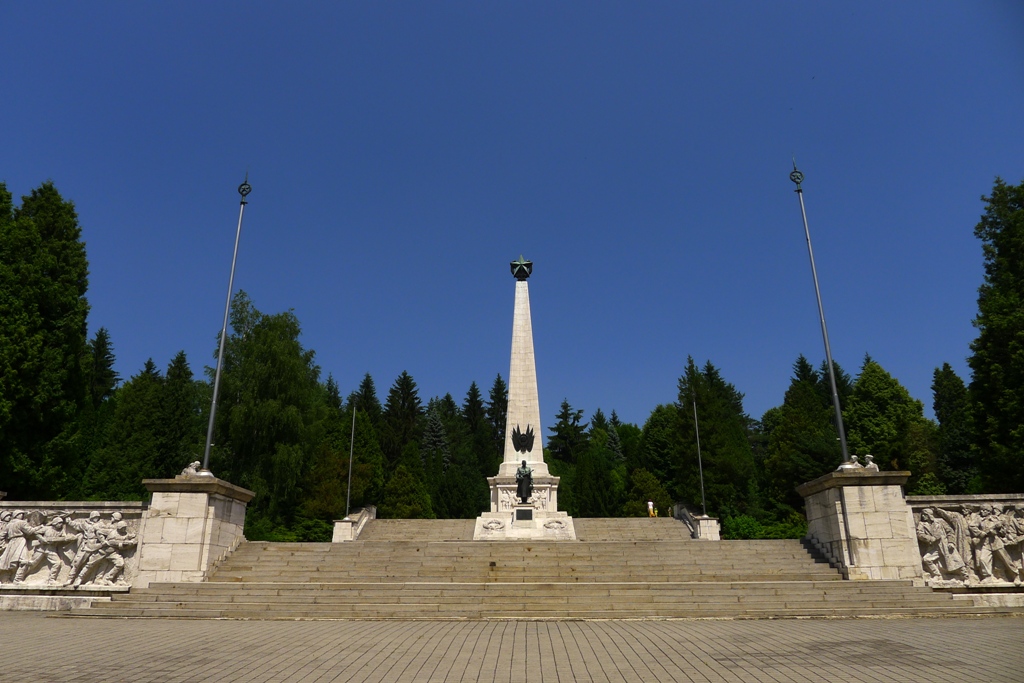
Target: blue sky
x,y
401,154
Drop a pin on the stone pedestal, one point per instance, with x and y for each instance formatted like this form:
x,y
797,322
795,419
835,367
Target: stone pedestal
x,y
192,524
503,493
708,528
348,529
524,523
861,522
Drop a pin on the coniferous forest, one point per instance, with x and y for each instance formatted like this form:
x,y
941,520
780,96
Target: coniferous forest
x,y
71,428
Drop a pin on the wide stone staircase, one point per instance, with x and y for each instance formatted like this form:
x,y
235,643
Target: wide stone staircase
x,y
618,569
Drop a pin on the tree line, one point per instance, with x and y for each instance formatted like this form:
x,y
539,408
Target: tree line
x,y
71,429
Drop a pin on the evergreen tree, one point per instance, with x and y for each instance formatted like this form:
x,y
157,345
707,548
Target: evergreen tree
x,y
598,421
569,435
102,377
435,453
803,442
403,413
730,483
184,413
405,497
365,399
952,406
497,414
598,491
333,393
132,440
480,434
997,359
43,348
884,420
661,444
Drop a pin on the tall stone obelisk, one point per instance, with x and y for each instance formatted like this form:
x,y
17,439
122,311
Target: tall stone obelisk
x,y
510,518
523,434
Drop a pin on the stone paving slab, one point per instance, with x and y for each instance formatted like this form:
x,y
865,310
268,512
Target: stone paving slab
x,y
35,647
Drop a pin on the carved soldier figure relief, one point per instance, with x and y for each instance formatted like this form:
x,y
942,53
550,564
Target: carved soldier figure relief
x,y
985,539
37,550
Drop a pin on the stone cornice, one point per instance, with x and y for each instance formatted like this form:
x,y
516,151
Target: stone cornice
x,y
199,485
855,478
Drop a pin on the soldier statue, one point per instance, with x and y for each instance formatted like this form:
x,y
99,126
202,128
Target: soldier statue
x,y
524,483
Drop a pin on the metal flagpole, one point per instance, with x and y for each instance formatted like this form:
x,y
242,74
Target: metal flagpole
x,y
700,464
244,189
797,177
351,449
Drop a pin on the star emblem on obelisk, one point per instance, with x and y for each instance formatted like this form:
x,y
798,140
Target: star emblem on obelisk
x,y
522,268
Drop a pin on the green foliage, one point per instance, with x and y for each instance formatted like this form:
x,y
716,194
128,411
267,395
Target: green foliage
x,y
644,487
569,435
405,497
802,439
728,461
403,412
951,403
43,348
101,375
883,419
598,489
271,411
497,414
745,526
997,359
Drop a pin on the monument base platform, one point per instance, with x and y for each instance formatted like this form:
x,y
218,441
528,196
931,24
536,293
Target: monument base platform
x,y
524,523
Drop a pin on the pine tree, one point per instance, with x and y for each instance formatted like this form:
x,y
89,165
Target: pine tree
x,y
997,360
405,497
730,482
43,347
183,419
132,440
403,413
333,393
480,439
952,406
497,414
103,378
598,492
802,440
569,435
365,399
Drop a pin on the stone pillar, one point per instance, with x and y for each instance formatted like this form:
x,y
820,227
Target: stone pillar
x,y
861,522
708,528
524,440
191,525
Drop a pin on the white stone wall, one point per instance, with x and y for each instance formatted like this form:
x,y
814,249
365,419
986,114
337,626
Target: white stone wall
x,y
861,522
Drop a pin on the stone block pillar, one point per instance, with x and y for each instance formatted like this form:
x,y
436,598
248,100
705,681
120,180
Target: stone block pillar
x,y
191,525
861,521
708,528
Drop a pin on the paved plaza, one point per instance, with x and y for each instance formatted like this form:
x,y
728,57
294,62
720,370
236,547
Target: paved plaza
x,y
39,648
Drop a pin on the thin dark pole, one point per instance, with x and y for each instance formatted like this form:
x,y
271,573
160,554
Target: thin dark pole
x,y
243,189
351,449
700,464
798,177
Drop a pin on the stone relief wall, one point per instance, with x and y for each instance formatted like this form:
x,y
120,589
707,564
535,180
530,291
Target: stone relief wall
x,y
970,540
68,544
